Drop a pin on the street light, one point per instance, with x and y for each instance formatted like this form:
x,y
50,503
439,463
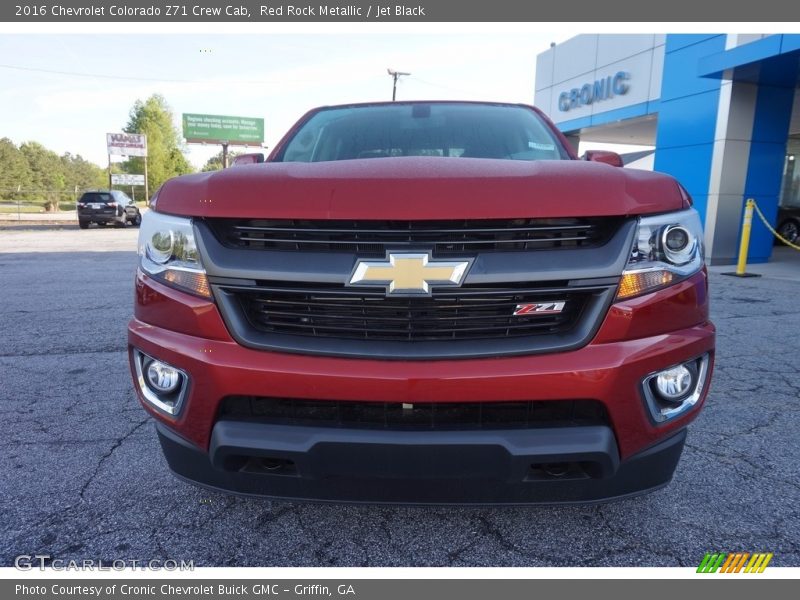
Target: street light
x,y
395,75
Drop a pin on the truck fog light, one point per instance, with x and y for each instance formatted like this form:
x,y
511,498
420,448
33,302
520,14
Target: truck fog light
x,y
161,385
673,383
674,391
163,378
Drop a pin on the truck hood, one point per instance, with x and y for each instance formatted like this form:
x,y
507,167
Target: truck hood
x,y
419,188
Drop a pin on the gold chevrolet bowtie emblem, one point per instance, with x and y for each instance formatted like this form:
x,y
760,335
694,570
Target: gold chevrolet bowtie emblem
x,y
407,273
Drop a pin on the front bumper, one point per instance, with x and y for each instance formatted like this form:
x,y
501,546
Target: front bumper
x,y
455,467
102,218
630,455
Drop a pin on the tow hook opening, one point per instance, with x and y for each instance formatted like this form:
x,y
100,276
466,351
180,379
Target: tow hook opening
x,y
560,470
265,465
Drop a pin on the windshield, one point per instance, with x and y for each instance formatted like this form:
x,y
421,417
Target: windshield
x,y
97,197
458,130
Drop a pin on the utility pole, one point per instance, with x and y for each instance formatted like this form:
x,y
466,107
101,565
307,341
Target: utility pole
x,y
395,75
146,184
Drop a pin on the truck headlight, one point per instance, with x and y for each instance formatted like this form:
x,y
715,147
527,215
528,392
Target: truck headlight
x,y
168,253
667,248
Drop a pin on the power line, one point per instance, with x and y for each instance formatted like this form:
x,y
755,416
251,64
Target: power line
x,y
445,87
95,75
123,77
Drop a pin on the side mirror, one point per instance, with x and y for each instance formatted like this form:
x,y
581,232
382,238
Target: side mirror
x,y
603,156
248,159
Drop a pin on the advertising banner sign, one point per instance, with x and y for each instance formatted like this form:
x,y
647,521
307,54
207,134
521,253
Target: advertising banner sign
x,y
219,129
127,144
126,179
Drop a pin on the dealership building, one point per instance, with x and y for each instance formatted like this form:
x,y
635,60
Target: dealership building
x,y
721,112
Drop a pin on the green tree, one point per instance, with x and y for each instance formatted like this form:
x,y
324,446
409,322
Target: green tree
x,y
154,118
215,162
48,181
14,170
80,173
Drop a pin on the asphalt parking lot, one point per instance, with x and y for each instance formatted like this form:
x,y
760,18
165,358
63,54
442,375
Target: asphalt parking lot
x,y
83,476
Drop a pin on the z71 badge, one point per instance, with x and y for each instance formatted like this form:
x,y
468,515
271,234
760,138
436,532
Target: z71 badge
x,y
540,308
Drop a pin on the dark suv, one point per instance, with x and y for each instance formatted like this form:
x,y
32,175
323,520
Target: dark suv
x,y
789,223
105,207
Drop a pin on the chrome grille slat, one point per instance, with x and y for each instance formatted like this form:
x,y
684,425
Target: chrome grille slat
x,y
442,237
294,240
410,229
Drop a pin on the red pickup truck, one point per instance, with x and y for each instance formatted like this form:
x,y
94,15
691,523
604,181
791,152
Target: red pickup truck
x,y
423,302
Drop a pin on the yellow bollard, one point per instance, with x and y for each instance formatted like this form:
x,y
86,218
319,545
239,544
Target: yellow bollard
x,y
744,244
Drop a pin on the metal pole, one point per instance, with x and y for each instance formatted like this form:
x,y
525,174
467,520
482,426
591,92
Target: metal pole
x,y
224,156
109,170
744,244
146,184
395,76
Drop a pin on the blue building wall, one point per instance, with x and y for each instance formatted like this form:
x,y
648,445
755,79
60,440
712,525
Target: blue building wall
x,y
694,67
688,114
765,167
610,116
773,64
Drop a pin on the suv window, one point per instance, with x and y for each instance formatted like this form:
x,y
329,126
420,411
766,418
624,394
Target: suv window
x,y
122,198
103,197
446,129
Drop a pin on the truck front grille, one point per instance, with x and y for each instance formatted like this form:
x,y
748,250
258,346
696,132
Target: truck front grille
x,y
373,238
419,415
468,313
282,285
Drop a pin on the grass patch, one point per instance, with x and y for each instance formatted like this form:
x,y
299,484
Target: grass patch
x,y
8,208
24,208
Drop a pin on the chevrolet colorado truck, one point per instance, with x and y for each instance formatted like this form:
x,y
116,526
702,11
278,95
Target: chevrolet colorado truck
x,y
423,302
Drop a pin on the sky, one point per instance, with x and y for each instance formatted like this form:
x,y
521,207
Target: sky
x,y
274,76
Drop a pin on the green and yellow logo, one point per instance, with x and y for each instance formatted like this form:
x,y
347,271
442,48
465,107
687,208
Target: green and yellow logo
x,y
734,562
